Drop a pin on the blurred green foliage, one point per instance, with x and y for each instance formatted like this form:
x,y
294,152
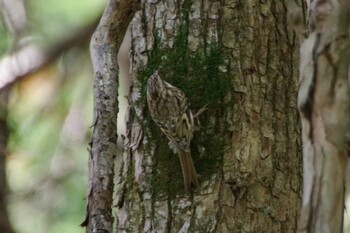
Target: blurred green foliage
x,y
53,20
4,38
50,114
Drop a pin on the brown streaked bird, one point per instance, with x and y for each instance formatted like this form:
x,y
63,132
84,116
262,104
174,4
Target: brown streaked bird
x,y
169,109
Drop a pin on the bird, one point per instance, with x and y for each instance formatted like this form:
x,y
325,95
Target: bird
x,y
169,109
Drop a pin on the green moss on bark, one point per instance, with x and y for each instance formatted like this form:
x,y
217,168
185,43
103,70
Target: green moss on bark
x,y
197,75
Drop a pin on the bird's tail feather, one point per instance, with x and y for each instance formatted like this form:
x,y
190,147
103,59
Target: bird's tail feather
x,y
188,170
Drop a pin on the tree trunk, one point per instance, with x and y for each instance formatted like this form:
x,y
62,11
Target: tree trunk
x,y
324,107
104,47
238,58
5,225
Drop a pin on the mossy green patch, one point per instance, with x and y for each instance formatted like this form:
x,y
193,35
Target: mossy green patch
x,y
197,75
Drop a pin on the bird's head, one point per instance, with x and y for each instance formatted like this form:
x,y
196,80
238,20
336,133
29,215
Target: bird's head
x,y
154,85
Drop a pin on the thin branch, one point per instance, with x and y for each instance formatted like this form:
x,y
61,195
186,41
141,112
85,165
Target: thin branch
x,y
32,58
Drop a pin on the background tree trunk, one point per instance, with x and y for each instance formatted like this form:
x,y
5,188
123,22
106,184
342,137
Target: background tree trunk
x,y
5,225
239,58
324,107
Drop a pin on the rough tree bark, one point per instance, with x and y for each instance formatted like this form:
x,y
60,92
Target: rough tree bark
x,y
104,47
240,58
324,106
